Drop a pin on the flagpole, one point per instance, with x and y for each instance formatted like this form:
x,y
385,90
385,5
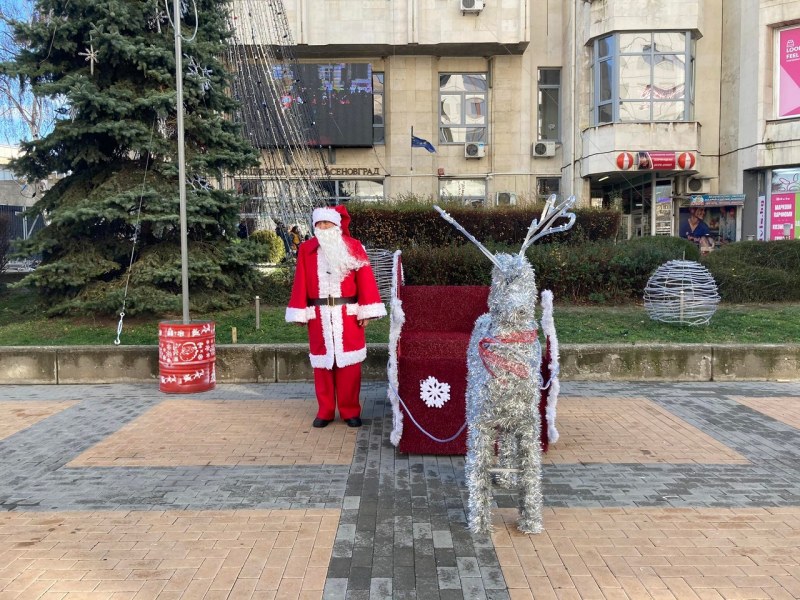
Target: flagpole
x,y
412,149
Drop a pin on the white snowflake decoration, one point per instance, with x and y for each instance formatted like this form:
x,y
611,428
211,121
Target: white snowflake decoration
x,y
434,393
201,74
166,128
156,20
91,56
200,183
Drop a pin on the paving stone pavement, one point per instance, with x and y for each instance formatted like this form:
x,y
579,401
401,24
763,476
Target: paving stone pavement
x,y
401,526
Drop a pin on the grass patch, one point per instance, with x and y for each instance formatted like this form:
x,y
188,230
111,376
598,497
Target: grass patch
x,y
23,325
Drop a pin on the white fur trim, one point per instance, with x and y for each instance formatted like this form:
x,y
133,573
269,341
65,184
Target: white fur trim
x,y
351,309
326,213
396,320
549,329
371,311
300,315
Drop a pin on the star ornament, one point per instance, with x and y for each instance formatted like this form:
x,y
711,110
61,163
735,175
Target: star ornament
x,y
201,74
91,57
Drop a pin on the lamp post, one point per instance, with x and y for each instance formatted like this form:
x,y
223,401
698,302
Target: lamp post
x,y
176,11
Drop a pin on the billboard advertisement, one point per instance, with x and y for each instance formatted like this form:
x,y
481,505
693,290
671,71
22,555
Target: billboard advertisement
x,y
784,215
788,69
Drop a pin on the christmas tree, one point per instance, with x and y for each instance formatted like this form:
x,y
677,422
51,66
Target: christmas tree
x,y
111,64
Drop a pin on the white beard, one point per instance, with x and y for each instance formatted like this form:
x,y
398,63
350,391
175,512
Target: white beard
x,y
335,251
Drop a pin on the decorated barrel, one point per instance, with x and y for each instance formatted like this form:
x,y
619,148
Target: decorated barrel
x,y
186,355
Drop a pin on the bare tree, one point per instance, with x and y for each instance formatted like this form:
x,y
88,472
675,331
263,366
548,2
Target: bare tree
x,y
23,115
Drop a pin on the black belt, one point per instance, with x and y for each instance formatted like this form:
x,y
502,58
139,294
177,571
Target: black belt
x,y
331,301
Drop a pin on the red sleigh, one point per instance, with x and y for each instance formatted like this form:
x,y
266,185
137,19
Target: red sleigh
x,y
429,334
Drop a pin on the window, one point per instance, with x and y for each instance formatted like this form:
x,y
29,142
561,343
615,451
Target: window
x,y
549,104
340,191
468,191
462,107
378,113
641,76
545,186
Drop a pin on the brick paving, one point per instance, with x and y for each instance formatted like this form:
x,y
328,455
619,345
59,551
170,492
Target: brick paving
x,y
15,416
654,491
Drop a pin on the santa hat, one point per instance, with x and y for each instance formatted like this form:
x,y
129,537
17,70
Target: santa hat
x,y
335,214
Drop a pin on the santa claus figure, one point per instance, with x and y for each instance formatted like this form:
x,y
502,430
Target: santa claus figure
x,y
335,293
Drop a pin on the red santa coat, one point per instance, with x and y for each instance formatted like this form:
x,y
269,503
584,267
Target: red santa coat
x,y
333,331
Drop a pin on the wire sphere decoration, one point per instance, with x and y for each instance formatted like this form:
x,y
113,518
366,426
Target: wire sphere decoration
x,y
382,263
682,292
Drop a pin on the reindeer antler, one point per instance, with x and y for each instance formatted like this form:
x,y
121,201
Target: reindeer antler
x,y
446,216
543,226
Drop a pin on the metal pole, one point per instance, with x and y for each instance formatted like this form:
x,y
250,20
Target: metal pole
x,y
176,13
258,312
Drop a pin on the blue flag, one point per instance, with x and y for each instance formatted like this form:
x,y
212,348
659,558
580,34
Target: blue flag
x,y
417,142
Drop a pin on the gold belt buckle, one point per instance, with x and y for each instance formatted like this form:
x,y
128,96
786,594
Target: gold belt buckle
x,y
331,301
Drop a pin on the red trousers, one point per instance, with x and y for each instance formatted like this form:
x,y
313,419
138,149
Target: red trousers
x,y
338,385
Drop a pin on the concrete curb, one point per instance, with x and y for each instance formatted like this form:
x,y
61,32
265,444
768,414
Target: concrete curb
x,y
265,363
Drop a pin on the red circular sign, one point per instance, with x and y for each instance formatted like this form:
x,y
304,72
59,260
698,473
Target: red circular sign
x,y
624,160
686,160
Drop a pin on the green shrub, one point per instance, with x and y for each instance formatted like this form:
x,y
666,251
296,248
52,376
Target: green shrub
x,y
276,251
415,223
757,271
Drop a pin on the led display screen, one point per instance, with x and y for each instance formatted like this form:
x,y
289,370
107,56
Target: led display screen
x,y
313,104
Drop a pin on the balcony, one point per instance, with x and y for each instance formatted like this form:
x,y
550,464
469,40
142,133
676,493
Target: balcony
x,y
602,144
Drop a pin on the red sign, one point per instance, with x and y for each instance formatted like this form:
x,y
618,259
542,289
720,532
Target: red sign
x,y
655,161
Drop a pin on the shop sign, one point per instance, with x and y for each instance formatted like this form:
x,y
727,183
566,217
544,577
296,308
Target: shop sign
x,y
761,229
717,200
784,215
655,160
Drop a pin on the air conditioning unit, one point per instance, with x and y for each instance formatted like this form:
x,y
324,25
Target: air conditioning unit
x,y
474,150
543,149
505,198
471,6
697,185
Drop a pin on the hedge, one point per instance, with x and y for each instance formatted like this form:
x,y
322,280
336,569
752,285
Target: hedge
x,y
406,225
589,272
757,271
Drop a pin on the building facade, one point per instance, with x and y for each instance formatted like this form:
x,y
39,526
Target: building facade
x,y
656,107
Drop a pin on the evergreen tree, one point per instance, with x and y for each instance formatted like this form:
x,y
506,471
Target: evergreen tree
x,y
113,64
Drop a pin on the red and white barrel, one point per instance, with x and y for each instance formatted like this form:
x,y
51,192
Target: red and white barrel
x,y
186,357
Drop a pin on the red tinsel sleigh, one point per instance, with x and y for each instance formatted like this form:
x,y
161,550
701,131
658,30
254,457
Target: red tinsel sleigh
x,y
430,331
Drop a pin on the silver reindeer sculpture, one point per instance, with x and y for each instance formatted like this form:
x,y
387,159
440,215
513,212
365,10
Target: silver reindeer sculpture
x,y
504,383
